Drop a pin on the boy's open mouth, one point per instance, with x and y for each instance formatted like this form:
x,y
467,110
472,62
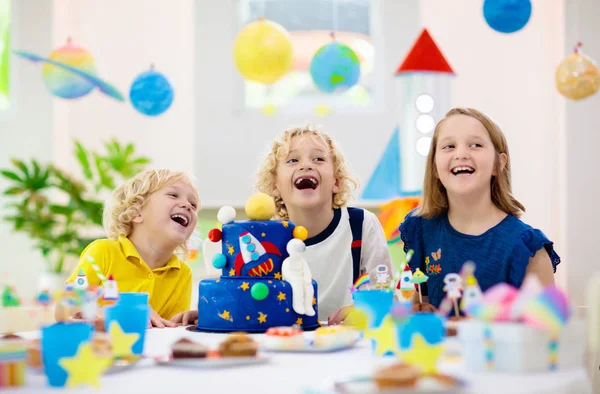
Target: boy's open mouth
x,y
306,182
462,170
180,219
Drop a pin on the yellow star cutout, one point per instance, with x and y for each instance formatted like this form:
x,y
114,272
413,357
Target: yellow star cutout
x,y
385,337
247,317
285,224
232,272
231,250
314,301
85,367
422,355
121,341
287,309
299,321
281,296
263,234
277,275
262,318
245,286
226,315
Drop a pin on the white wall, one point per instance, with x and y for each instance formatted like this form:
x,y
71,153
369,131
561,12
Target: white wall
x,y
25,132
580,142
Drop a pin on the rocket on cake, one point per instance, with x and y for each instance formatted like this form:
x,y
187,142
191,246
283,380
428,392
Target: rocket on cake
x,y
253,251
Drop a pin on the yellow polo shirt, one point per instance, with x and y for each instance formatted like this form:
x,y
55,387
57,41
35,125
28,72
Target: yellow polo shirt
x,y
169,288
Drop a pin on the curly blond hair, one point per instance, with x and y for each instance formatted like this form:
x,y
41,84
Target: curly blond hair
x,y
280,148
435,199
129,199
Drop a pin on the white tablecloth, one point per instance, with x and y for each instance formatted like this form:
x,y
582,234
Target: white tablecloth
x,y
292,373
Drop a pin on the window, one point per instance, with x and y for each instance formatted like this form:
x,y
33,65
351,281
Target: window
x,y
5,19
310,23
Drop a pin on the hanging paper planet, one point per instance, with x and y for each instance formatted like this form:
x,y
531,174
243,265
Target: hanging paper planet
x,y
507,16
335,67
263,52
577,77
151,93
70,72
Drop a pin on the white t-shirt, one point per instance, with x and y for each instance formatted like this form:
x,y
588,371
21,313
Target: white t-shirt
x,y
329,257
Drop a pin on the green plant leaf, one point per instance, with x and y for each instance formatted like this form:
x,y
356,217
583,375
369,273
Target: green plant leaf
x,y
82,156
11,175
61,209
20,165
13,191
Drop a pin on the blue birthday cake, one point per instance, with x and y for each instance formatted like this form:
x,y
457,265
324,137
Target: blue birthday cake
x,y
259,279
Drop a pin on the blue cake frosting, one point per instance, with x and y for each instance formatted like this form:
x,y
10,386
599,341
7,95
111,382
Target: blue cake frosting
x,y
253,252
226,304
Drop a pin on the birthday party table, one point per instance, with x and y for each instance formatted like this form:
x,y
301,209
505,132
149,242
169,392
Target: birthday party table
x,y
293,373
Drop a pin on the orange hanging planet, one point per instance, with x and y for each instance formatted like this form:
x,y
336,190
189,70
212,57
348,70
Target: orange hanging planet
x,y
577,77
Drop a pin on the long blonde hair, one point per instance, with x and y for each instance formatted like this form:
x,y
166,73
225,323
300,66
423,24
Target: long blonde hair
x,y
435,198
129,199
280,148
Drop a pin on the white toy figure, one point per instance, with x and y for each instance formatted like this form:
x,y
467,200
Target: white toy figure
x,y
381,276
295,271
453,286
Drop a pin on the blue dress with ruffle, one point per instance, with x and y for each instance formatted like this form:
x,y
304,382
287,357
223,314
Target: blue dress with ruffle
x,y
501,254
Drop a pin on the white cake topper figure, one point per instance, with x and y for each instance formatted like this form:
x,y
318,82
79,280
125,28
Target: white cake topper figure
x,y
381,275
453,285
295,271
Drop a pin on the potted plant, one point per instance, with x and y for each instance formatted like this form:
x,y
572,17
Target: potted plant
x,y
63,214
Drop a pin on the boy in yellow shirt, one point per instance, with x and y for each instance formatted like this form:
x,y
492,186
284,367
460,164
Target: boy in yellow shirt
x,y
150,218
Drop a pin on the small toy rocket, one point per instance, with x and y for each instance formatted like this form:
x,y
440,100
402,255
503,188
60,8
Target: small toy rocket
x,y
472,293
81,282
111,292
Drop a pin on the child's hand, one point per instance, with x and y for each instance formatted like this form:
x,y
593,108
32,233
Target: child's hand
x,y
159,322
425,307
339,316
186,318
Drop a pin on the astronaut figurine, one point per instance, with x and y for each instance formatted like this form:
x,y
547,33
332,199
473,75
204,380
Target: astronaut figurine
x,y
295,271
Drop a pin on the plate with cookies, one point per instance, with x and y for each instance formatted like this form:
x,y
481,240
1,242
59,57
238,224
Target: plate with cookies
x,y
397,378
325,339
236,350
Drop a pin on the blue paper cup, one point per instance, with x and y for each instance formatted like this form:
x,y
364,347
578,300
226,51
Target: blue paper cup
x,y
59,341
132,313
375,303
427,324
132,299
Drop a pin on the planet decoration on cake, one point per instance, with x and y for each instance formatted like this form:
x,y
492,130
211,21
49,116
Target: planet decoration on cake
x,y
69,72
258,287
263,51
151,93
335,67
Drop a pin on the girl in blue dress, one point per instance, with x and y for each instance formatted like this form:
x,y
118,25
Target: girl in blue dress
x,y
468,212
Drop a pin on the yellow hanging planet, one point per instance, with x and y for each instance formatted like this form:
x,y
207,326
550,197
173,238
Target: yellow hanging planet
x,y
577,77
263,51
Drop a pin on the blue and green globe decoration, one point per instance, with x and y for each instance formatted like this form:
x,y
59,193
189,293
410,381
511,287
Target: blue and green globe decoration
x,y
335,67
507,16
151,93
